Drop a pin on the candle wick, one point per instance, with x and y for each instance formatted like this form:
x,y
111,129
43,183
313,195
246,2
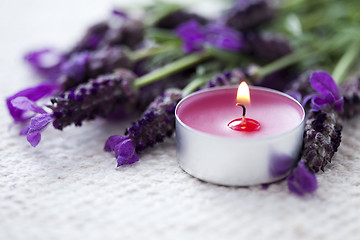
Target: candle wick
x,y
244,109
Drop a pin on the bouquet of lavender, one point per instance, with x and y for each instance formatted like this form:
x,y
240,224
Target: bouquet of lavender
x,y
122,64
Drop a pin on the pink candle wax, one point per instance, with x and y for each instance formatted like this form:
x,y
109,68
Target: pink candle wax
x,y
211,111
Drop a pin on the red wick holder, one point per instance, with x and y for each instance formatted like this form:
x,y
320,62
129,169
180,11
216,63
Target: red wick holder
x,y
244,124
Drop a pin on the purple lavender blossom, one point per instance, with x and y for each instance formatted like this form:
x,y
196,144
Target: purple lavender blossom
x,y
302,181
124,149
46,63
86,65
156,123
118,30
38,123
21,114
195,37
328,92
100,97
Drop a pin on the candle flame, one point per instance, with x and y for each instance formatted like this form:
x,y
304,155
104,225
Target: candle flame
x,y
243,94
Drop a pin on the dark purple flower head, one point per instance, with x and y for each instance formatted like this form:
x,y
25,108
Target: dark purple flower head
x,y
156,123
195,37
174,19
302,181
83,66
75,67
247,15
46,62
16,110
328,92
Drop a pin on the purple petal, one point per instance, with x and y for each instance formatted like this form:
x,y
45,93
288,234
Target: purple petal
x,y
46,62
33,138
223,37
23,103
302,180
192,35
37,125
113,141
39,122
308,98
33,94
24,131
125,153
323,83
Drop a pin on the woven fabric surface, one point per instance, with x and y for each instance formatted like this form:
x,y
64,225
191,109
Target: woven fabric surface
x,y
68,188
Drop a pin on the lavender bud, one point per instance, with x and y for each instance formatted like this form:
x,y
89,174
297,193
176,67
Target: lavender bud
x,y
322,138
101,97
157,122
228,78
118,30
86,65
91,39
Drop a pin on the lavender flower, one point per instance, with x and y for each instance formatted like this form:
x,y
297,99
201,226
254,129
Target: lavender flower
x,y
228,78
83,66
102,97
92,38
322,133
248,15
322,137
328,92
195,36
174,19
32,94
351,93
37,124
156,123
118,30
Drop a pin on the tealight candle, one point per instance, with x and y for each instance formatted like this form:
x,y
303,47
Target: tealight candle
x,y
211,147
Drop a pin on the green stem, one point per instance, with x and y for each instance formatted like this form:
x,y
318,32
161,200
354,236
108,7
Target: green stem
x,y
171,68
197,82
345,62
283,62
144,53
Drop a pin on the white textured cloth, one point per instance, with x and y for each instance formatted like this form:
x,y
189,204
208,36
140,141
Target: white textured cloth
x,y
67,188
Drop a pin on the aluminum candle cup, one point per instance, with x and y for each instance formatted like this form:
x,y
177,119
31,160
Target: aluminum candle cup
x,y
209,150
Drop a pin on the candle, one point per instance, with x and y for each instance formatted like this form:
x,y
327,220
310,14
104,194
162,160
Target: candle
x,y
209,149
243,124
